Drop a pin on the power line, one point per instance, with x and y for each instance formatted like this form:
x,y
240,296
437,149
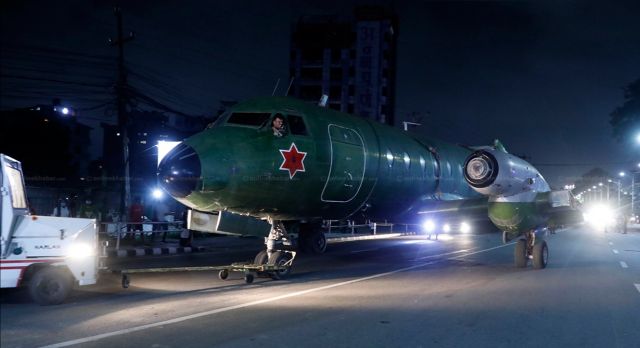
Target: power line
x,y
52,80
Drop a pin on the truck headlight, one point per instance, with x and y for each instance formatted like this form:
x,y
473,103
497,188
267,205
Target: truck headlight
x,y
80,250
465,227
429,226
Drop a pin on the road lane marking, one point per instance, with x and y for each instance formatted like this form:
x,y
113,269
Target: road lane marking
x,y
610,243
364,250
637,287
249,304
444,254
615,251
623,264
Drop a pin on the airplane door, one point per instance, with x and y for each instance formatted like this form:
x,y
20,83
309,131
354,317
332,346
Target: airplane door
x,y
347,167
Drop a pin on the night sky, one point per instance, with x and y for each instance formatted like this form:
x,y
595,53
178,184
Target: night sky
x,y
542,77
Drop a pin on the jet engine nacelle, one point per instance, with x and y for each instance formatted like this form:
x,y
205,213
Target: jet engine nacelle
x,y
494,172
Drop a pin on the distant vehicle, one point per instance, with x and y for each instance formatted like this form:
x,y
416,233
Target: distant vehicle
x,y
48,254
331,166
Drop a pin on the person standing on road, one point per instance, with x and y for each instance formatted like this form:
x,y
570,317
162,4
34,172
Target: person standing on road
x,y
61,209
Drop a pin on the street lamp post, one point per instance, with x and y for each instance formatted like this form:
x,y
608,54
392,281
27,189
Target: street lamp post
x,y
600,184
619,189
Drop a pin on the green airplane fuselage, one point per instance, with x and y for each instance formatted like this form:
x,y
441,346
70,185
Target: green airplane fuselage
x,y
330,165
350,164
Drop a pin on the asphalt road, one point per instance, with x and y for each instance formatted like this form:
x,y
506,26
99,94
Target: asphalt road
x,y
400,292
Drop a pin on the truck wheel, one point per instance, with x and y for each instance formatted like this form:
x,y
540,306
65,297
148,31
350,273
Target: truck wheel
x,y
50,286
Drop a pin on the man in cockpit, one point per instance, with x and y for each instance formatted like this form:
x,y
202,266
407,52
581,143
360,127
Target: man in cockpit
x,y
277,125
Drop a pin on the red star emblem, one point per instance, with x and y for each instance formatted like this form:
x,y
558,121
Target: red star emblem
x,y
293,160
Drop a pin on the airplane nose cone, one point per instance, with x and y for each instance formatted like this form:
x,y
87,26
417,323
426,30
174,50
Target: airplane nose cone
x,y
179,171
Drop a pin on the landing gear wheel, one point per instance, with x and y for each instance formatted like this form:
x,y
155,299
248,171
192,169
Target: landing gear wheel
x,y
125,281
248,278
50,286
223,274
261,258
316,242
520,253
280,258
540,255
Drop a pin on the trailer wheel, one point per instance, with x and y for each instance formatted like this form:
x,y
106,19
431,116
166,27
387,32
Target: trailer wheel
x,y
223,274
248,278
50,286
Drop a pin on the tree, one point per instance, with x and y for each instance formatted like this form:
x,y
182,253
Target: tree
x,y
625,119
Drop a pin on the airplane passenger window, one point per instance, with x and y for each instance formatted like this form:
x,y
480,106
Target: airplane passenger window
x,y
296,125
256,119
407,160
389,158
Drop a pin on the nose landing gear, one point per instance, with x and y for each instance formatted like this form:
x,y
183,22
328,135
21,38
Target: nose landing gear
x,y
530,248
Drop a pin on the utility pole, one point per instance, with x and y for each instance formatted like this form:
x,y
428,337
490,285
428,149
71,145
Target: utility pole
x,y
123,117
633,193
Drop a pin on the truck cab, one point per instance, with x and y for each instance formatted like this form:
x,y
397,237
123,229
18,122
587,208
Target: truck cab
x,y
47,254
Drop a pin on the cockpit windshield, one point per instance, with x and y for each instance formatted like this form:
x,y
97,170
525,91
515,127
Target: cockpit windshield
x,y
251,119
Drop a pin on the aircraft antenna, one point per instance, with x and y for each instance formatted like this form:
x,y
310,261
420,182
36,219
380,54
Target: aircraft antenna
x,y
275,88
288,88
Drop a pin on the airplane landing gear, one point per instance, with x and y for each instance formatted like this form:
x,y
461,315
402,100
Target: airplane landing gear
x,y
530,248
279,254
312,239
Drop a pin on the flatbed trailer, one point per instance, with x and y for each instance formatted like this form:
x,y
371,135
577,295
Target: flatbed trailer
x,y
250,270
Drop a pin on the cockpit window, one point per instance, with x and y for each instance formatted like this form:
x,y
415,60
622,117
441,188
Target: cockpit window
x,y
218,121
256,119
297,126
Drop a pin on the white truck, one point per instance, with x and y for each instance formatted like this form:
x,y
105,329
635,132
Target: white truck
x,y
48,254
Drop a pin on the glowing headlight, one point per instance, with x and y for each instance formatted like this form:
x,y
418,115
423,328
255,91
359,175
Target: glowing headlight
x,y
446,228
600,216
465,227
429,226
80,250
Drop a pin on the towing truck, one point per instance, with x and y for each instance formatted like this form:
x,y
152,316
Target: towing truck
x,y
47,254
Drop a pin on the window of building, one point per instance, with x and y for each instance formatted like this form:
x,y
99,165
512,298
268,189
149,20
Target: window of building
x,y
335,92
336,74
311,73
310,92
